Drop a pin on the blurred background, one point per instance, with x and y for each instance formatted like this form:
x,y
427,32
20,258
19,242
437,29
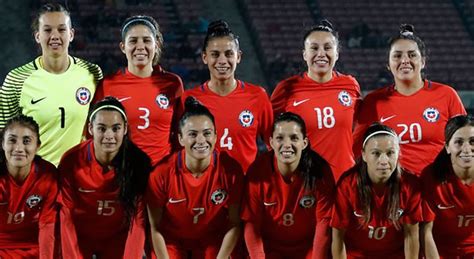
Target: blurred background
x,y
271,36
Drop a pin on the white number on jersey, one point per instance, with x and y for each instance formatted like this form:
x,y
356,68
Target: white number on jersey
x,y
145,118
325,117
105,208
464,220
377,233
226,142
200,211
16,218
288,219
414,131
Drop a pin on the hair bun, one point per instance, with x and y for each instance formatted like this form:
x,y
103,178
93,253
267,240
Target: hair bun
x,y
218,26
191,103
407,29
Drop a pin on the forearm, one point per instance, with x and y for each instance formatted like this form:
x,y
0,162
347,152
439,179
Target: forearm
x,y
254,241
338,248
412,244
322,240
159,245
430,249
229,242
46,241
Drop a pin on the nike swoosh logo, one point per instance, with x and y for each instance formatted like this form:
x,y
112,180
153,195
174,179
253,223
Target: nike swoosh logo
x,y
382,119
269,203
37,101
358,215
124,99
441,207
171,200
295,103
85,190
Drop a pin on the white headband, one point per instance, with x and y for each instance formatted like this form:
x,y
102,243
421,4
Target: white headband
x,y
108,107
377,133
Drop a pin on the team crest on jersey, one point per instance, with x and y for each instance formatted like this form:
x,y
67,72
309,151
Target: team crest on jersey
x,y
83,95
33,200
246,118
218,196
431,114
345,98
307,201
162,101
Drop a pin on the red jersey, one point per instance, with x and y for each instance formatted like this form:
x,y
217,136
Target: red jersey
x,y
380,237
27,211
195,211
451,207
286,214
150,103
418,120
240,117
328,111
91,214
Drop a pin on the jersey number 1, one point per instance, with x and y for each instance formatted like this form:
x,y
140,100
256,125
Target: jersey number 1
x,y
63,117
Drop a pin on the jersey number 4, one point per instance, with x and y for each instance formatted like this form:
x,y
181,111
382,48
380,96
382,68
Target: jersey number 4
x,y
226,141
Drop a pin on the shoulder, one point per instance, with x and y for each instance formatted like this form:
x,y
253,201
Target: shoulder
x,y
196,90
166,164
288,83
17,76
347,79
410,181
89,67
45,168
443,89
348,179
254,88
169,76
75,155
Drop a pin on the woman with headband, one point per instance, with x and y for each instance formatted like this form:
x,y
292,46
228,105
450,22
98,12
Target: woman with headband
x,y
55,89
378,205
28,189
102,184
448,185
147,91
242,110
323,97
415,107
289,197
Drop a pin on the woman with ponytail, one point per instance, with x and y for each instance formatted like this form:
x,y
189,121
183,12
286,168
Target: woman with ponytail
x,y
377,206
103,181
242,110
416,108
194,195
289,197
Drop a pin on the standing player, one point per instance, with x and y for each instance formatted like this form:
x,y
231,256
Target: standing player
x,y
289,197
416,108
242,110
449,190
55,89
102,183
28,189
148,92
377,205
193,195
324,98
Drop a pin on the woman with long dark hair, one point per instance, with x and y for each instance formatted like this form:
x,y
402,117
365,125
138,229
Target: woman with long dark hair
x,y
448,188
378,205
102,184
289,197
28,189
194,195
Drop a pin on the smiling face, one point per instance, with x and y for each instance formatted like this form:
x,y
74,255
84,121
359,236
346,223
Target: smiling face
x,y
108,129
320,53
54,33
140,46
381,155
221,57
288,143
405,61
198,137
461,149
20,145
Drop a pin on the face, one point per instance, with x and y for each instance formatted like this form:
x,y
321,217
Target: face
x,y
461,148
320,53
381,155
221,57
108,130
54,34
140,46
405,61
288,142
198,137
20,145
